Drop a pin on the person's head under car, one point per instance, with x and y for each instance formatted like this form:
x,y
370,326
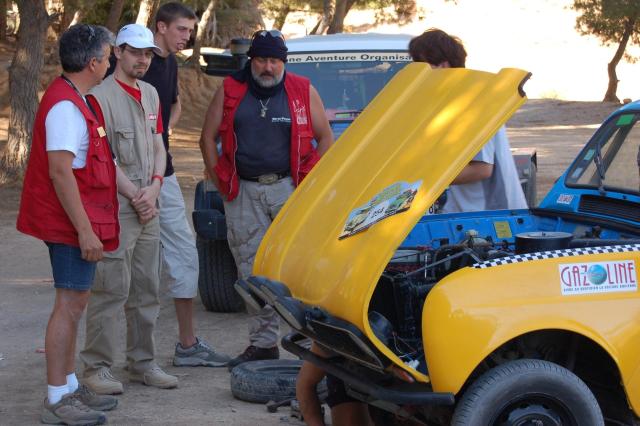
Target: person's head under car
x,y
438,49
134,51
268,53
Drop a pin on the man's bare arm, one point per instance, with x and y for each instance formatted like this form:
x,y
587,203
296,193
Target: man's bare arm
x,y
321,128
306,394
145,201
174,116
126,188
210,129
66,187
473,172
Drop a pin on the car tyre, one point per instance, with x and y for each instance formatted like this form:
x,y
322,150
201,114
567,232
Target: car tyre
x,y
268,380
217,276
528,391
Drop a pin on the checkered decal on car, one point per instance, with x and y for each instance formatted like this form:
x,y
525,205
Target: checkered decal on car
x,y
554,254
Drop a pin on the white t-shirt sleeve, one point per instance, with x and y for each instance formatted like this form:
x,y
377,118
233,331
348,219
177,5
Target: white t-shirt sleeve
x,y
66,130
488,152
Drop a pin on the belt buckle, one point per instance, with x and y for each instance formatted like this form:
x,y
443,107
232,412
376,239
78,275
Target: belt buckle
x,y
268,179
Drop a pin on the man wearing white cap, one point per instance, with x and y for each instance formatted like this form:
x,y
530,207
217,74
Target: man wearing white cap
x,y
129,277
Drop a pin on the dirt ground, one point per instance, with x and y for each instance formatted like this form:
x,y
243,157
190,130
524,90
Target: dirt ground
x,y
557,129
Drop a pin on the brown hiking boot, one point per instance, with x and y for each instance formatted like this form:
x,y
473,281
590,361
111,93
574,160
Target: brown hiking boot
x,y
254,353
70,411
95,401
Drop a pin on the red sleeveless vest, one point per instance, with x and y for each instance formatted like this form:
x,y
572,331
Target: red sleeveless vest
x,y
41,215
303,155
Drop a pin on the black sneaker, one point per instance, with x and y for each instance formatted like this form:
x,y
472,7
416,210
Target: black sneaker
x,y
254,353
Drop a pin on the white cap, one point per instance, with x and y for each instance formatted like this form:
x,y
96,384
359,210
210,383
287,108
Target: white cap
x,y
137,36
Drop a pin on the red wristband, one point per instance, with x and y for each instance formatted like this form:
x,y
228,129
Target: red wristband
x,y
160,178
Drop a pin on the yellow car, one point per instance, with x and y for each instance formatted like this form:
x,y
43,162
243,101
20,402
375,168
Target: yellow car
x,y
524,317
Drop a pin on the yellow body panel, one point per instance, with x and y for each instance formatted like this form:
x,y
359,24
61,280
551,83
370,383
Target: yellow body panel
x,y
421,114
472,312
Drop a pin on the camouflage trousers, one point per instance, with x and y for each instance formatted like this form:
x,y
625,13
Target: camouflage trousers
x,y
248,216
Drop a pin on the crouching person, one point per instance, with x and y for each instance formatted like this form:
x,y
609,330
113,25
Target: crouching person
x,y
69,201
345,410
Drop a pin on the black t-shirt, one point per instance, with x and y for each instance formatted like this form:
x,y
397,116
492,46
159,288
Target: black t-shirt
x,y
263,132
163,75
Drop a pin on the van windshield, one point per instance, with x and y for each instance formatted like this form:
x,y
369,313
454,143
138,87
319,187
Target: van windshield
x,y
611,161
347,81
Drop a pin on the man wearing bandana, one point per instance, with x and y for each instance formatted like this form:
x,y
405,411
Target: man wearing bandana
x,y
266,119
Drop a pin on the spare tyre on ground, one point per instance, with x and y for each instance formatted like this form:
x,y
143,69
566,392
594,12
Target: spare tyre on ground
x,y
267,380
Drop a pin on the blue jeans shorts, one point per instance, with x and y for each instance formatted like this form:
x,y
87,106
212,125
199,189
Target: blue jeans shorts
x,y
70,270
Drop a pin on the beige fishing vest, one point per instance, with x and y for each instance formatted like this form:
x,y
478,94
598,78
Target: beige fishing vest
x,y
130,127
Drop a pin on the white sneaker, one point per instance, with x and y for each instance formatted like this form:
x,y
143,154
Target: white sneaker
x,y
154,376
103,383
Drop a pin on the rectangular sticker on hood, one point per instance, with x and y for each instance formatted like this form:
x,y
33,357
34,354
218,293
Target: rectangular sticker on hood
x,y
598,277
394,199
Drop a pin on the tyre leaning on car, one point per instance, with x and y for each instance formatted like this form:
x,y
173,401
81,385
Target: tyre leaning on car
x,y
218,272
528,391
217,276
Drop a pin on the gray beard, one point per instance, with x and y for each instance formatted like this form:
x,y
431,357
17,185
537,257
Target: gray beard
x,y
268,82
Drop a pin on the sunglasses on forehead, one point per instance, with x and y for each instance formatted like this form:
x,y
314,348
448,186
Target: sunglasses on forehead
x,y
92,33
263,33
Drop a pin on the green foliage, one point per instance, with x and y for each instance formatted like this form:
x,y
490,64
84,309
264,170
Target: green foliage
x,y
271,8
99,13
402,11
608,19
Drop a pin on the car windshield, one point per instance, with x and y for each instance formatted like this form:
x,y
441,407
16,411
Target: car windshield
x,y
611,161
347,81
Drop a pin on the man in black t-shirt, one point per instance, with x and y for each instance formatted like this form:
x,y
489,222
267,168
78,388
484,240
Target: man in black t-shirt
x,y
174,24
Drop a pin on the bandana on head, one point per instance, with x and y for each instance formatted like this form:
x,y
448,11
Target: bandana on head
x,y
268,46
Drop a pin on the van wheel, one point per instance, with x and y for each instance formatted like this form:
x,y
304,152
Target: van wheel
x,y
528,392
268,380
217,276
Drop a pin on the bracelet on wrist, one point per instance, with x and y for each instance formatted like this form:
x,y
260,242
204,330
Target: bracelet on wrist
x,y
160,178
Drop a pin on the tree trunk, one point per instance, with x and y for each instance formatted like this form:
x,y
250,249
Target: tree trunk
x,y
55,6
81,12
3,20
239,18
24,82
328,11
71,7
342,8
316,27
205,21
114,15
612,88
147,10
55,10
281,16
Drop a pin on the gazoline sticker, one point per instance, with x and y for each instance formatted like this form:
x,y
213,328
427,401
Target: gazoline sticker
x,y
598,277
392,200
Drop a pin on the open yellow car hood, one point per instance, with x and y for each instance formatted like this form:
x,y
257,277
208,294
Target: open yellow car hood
x,y
397,157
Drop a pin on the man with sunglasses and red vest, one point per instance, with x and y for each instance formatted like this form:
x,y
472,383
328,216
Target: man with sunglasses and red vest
x,y
69,201
266,119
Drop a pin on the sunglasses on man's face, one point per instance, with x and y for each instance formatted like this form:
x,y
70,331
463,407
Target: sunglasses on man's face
x,y
263,33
